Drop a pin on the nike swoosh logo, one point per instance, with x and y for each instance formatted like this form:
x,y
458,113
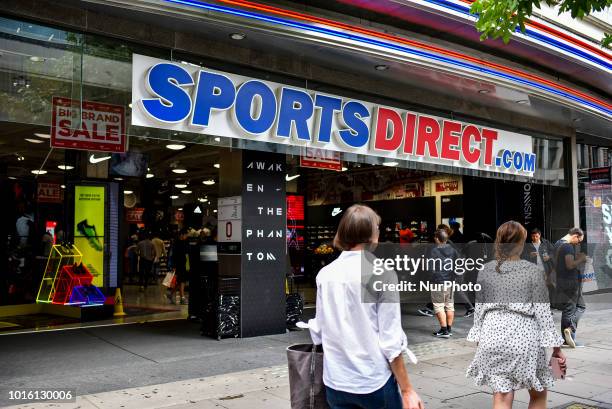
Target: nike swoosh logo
x,y
94,160
290,178
336,211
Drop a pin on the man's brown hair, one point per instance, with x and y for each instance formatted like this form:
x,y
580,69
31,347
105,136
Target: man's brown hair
x,y
357,226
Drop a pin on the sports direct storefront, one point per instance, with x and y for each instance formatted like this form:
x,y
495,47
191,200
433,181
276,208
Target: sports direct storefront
x,y
185,98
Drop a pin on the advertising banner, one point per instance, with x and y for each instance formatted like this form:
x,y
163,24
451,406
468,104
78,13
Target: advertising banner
x,y
87,125
134,216
49,193
187,98
89,212
320,159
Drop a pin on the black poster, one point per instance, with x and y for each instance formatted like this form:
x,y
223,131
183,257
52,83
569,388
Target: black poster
x,y
532,206
263,244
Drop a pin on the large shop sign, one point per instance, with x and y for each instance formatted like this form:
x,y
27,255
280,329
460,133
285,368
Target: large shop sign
x,y
87,125
188,98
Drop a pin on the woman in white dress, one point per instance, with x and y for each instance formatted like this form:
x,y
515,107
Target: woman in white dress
x,y
513,325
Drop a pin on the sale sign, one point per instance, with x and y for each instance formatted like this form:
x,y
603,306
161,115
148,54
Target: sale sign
x,y
49,193
134,215
320,159
87,125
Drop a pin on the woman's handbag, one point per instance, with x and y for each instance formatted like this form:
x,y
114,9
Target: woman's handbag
x,y
306,377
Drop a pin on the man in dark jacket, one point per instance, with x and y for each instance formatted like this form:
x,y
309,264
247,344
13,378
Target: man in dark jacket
x,y
539,251
442,298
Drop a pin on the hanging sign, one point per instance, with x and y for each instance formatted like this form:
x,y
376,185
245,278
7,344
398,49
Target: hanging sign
x,y
86,125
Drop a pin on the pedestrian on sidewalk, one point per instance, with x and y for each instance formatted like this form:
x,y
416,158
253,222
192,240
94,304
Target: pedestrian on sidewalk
x,y
540,252
363,342
513,325
442,299
569,286
179,263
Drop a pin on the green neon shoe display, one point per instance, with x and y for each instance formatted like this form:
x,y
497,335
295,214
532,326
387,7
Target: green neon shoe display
x,y
89,231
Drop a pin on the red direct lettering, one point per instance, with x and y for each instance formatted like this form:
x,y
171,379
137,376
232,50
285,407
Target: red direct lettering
x,y
470,132
428,134
450,139
409,137
489,136
384,118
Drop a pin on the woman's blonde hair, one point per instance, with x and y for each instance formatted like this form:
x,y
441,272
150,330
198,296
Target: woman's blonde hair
x,y
357,226
509,241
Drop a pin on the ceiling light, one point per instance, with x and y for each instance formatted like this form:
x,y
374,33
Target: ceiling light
x,y
209,182
483,91
119,179
63,186
522,101
175,146
150,175
19,157
179,170
237,36
43,135
130,105
180,185
217,139
12,177
381,67
174,197
39,172
215,210
390,164
187,192
344,168
127,192
202,200
65,167
33,140
180,209
216,165
290,178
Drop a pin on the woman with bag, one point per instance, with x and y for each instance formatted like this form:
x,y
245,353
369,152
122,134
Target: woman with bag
x,y
363,342
513,325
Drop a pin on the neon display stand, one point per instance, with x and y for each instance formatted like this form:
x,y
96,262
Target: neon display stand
x,y
67,281
70,277
61,255
86,295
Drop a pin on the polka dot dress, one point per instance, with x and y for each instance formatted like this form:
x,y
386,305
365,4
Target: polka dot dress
x,y
513,326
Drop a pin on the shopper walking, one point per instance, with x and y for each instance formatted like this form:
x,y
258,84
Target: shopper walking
x,y
362,341
513,325
540,252
569,286
442,299
179,263
146,256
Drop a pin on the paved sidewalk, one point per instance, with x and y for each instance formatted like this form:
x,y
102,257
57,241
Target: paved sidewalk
x,y
439,378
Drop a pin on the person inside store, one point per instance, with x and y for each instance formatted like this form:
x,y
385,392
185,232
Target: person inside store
x,y
513,325
131,257
442,300
160,253
456,236
179,263
146,256
363,342
569,297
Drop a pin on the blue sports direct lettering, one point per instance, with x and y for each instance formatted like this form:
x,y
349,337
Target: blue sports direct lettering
x,y
214,91
172,103
255,92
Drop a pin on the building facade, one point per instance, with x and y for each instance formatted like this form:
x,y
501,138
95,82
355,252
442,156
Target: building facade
x,y
261,122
